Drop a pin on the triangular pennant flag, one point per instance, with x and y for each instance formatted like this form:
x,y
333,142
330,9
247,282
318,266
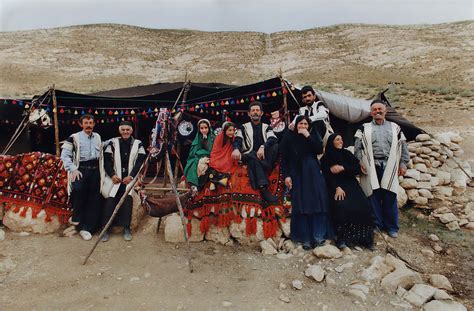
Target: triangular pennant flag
x,y
252,99
116,112
274,94
242,101
61,110
132,112
111,112
75,112
258,97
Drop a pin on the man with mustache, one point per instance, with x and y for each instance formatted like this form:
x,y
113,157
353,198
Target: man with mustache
x,y
316,111
123,157
382,150
256,146
81,154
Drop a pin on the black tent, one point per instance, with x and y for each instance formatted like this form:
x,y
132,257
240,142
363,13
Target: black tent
x,y
213,101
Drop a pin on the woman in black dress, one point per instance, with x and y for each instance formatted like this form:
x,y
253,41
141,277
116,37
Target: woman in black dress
x,y
310,223
351,210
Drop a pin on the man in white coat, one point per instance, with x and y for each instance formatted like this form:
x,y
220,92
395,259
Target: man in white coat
x,y
123,157
382,150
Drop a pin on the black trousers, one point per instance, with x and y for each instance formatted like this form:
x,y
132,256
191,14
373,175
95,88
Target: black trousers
x,y
124,215
258,169
86,199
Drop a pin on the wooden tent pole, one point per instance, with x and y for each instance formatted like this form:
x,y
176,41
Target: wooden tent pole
x,y
178,148
286,115
55,120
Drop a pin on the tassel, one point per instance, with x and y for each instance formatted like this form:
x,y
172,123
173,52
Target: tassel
x,y
23,212
189,228
48,217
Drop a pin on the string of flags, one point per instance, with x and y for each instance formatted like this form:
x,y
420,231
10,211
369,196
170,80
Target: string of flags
x,y
118,114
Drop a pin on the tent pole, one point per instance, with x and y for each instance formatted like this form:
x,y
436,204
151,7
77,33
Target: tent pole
x,y
178,148
55,120
286,115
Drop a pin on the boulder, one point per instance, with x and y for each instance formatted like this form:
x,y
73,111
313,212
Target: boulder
x,y
469,226
427,252
425,193
403,277
434,181
412,173
402,197
412,194
421,167
444,177
315,272
421,201
453,226
327,251
174,230
444,191
218,235
422,137
419,294
447,218
424,185
237,231
440,281
408,183
444,305
268,248
17,223
285,226
377,269
297,284
425,177
433,237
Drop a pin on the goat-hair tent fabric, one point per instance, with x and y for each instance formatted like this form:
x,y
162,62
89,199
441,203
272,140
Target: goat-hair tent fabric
x,y
213,101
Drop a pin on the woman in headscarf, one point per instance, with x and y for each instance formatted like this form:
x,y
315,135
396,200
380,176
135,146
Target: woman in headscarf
x,y
198,159
221,164
351,210
310,223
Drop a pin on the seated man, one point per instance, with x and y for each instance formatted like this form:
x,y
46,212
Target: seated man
x,y
123,158
256,146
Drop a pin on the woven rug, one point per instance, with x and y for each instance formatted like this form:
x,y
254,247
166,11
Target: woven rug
x,y
238,202
35,181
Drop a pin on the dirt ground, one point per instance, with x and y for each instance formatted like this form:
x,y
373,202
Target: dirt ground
x,y
45,272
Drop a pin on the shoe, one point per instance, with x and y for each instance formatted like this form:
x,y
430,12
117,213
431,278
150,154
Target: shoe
x,y
393,234
307,246
341,245
105,237
86,235
318,243
72,223
371,247
267,196
127,235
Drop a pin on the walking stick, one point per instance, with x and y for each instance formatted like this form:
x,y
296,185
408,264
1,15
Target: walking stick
x,y
117,207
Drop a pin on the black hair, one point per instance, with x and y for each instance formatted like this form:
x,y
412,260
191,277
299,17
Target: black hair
x,y
86,116
306,89
224,130
256,103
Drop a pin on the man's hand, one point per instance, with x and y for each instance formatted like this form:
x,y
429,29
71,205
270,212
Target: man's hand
x,y
261,153
76,175
236,155
402,171
291,126
116,179
127,180
289,182
340,194
336,169
363,169
304,132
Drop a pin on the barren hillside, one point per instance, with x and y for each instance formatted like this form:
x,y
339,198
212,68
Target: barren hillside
x,y
98,57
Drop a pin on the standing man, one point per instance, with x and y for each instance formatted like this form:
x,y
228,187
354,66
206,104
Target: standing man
x,y
382,150
123,157
316,111
256,145
81,154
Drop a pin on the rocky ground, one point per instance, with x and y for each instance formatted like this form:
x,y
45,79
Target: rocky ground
x,y
433,89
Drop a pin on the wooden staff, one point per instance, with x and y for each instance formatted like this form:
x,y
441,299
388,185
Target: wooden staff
x,y
178,148
180,207
55,120
117,207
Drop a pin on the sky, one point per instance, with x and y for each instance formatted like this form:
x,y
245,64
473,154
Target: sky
x,y
229,15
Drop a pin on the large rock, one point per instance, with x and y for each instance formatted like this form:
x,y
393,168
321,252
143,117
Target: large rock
x,y
138,212
412,194
424,185
421,167
422,137
377,269
440,281
444,305
2,235
419,294
447,218
268,248
403,277
444,177
421,201
218,235
425,193
453,226
315,272
409,183
327,251
174,230
444,191
412,173
17,223
448,137
285,227
237,231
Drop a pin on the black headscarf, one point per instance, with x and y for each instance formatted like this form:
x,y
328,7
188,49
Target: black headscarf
x,y
332,155
295,142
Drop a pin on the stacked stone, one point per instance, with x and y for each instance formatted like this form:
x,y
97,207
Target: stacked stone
x,y
434,175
